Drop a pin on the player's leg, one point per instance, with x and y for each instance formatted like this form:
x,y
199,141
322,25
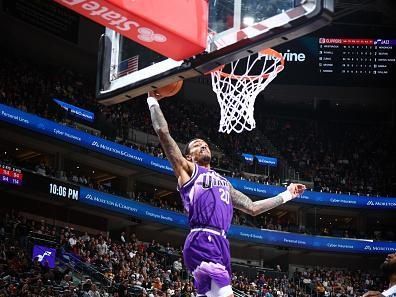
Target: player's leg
x,y
204,259
212,279
216,291
193,257
226,289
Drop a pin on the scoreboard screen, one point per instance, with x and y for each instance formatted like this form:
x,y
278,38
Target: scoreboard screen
x,y
351,56
27,180
333,61
10,175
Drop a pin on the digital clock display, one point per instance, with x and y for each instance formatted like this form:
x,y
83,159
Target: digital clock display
x,y
10,175
46,186
64,190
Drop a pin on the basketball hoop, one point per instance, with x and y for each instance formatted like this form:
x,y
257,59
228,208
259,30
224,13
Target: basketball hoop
x,y
236,93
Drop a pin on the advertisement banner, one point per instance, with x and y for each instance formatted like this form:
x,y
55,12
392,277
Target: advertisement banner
x,y
86,140
115,150
321,243
248,158
267,161
181,34
133,208
317,198
76,111
268,237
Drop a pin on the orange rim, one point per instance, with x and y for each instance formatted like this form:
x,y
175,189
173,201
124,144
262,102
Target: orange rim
x,y
267,52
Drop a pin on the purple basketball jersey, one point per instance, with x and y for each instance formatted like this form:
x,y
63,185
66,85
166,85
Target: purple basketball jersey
x,y
206,198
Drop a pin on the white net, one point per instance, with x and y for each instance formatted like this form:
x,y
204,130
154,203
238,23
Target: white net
x,y
236,94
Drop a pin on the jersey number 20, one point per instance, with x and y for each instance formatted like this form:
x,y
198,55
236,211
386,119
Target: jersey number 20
x,y
224,195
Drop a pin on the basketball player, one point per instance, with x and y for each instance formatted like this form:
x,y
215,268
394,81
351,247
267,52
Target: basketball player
x,y
209,200
389,270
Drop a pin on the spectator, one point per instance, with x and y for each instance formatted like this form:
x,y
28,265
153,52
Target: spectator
x,y
177,265
93,292
72,240
336,162
123,237
101,247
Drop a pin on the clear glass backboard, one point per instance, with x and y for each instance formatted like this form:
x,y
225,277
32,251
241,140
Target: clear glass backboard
x,y
236,29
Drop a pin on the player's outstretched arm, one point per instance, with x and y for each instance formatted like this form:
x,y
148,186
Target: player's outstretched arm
x,y
244,203
181,166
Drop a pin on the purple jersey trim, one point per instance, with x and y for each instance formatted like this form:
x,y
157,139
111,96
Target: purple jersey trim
x,y
193,176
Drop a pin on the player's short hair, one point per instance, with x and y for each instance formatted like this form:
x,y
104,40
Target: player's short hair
x,y
186,149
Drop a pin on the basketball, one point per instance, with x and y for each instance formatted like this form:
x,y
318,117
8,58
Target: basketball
x,y
170,90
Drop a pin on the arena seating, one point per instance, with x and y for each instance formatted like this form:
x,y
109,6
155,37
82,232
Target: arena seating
x,y
130,267
344,160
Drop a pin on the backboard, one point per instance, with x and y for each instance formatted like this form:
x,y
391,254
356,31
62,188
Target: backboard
x,y
236,29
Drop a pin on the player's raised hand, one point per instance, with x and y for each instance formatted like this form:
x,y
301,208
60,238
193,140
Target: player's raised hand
x,y
296,189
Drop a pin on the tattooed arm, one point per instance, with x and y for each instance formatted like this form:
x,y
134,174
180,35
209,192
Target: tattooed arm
x,y
182,167
244,203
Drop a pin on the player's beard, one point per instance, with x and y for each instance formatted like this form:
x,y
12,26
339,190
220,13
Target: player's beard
x,y
204,160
